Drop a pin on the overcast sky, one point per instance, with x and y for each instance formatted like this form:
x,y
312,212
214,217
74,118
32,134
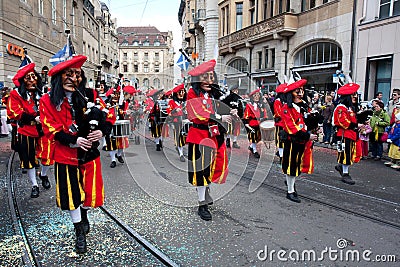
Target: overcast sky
x,y
163,14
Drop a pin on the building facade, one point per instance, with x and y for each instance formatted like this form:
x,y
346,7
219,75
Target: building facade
x,y
39,26
199,21
146,57
260,40
377,57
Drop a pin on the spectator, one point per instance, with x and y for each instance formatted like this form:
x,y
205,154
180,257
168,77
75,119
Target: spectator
x,y
394,140
380,119
327,112
394,101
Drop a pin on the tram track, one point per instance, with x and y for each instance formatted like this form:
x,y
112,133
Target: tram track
x,y
267,182
29,256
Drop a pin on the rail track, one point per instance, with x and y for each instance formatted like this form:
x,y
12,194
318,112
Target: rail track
x,y
29,255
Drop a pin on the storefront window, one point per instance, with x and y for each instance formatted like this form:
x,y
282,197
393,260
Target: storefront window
x,y
318,53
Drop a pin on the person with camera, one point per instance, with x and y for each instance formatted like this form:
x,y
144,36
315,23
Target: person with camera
x,y
296,136
207,156
23,107
345,119
76,128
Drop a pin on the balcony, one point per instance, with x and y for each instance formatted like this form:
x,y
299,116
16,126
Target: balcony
x,y
273,28
105,61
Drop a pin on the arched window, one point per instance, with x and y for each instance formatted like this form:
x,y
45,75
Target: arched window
x,y
318,53
240,64
146,82
156,83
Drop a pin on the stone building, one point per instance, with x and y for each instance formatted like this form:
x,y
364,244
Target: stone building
x,y
377,57
262,39
146,57
39,26
199,21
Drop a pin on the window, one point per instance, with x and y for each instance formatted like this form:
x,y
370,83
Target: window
x,y
146,82
135,43
156,56
156,43
239,16
157,68
146,55
259,55
280,7
84,48
389,8
318,53
252,10
125,56
136,68
265,13
40,7
83,19
312,3
303,5
156,83
239,64
135,56
65,13
54,11
73,20
272,63
146,68
271,8
146,43
266,59
324,1
125,68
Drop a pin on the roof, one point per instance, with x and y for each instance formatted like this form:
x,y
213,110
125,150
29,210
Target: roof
x,y
141,34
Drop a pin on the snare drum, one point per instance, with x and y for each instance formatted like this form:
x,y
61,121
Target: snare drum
x,y
185,127
121,128
163,114
267,129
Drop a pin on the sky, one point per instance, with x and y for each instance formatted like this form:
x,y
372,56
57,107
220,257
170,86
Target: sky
x,y
163,14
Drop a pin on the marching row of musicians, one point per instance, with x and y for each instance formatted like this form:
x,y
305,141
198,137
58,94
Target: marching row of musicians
x,y
65,125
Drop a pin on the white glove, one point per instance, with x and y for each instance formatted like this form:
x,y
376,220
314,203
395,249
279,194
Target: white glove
x,y
226,118
389,140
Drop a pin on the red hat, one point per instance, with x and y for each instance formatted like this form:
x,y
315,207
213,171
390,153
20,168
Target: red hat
x,y
129,89
110,91
280,88
254,92
22,72
168,93
203,68
178,88
348,89
74,62
293,86
153,92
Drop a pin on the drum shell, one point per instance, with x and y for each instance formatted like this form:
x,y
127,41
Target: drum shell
x,y
267,129
185,128
121,128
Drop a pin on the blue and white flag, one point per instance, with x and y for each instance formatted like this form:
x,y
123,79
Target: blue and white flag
x,y
182,62
62,55
27,60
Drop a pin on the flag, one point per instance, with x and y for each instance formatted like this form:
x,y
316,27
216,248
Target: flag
x,y
182,62
27,60
62,55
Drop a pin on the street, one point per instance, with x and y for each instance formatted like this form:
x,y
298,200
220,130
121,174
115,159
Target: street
x,y
251,215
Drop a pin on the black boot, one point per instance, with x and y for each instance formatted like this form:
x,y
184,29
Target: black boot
x,y
346,178
339,168
85,220
113,164
35,191
120,159
45,181
204,213
80,242
235,145
293,197
158,147
228,143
